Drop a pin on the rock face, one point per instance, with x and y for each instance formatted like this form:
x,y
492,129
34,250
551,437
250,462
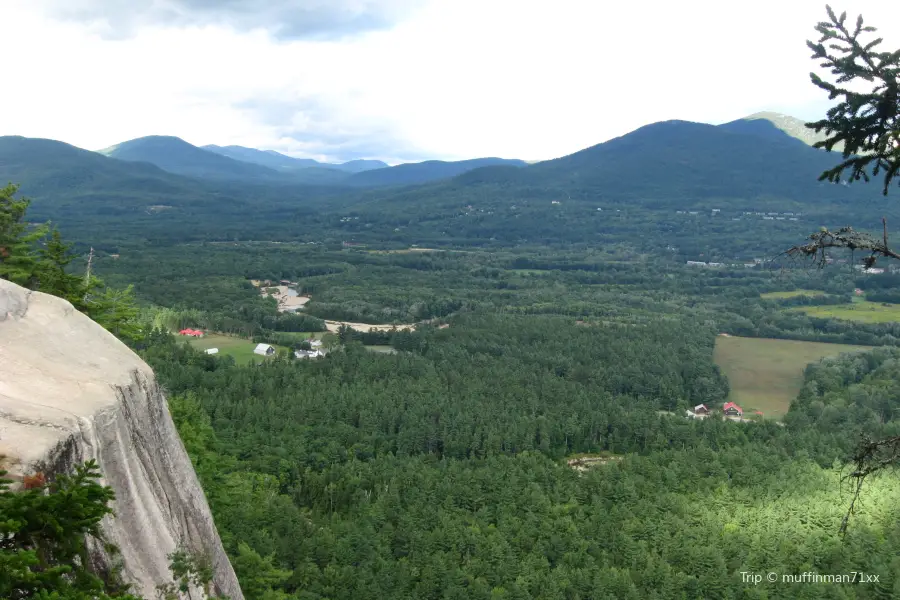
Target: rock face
x,y
69,392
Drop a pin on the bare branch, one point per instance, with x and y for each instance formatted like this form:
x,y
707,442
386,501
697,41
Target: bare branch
x,y
845,238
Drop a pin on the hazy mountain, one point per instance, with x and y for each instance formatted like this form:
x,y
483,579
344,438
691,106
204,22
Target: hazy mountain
x,y
424,172
282,162
175,155
361,164
266,158
776,125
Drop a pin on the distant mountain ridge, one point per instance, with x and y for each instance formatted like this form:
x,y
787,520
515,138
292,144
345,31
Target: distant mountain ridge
x,y
427,171
177,156
279,161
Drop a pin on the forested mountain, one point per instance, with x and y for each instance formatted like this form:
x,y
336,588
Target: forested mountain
x,y
104,200
175,155
282,162
423,172
631,187
675,159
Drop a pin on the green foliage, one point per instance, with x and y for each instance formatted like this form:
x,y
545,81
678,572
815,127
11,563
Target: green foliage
x,y
189,570
866,123
32,259
18,257
42,539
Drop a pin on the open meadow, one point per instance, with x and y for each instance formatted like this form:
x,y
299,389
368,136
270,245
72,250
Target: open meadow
x,y
861,311
766,374
240,349
791,294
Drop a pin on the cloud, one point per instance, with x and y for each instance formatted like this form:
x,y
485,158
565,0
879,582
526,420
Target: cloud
x,y
282,19
319,127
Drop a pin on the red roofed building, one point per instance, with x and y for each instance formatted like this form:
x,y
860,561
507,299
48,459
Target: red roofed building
x,y
191,332
732,410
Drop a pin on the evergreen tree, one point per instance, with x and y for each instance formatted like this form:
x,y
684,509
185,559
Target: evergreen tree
x,y
52,277
43,531
866,123
18,256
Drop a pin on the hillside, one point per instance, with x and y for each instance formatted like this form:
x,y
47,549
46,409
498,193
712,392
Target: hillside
x,y
678,159
649,175
776,126
423,172
174,155
102,199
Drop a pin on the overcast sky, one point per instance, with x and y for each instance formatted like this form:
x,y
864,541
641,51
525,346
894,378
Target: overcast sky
x,y
403,80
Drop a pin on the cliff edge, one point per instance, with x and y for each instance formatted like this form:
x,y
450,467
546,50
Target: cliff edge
x,y
69,392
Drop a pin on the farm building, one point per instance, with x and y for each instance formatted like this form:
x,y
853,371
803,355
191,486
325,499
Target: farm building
x,y
314,343
191,332
264,350
309,354
732,410
701,409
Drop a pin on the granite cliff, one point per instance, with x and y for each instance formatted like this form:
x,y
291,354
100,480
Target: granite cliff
x,y
69,392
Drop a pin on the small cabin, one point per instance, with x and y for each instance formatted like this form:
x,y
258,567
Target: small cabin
x,y
264,350
701,409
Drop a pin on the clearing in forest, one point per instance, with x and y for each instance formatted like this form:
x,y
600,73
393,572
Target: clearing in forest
x,y
767,374
793,294
861,311
240,349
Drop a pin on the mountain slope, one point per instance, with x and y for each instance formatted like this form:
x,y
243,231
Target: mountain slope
x,y
776,126
680,159
174,155
103,200
423,172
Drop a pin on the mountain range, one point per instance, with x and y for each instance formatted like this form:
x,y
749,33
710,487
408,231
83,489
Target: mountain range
x,y
667,165
282,162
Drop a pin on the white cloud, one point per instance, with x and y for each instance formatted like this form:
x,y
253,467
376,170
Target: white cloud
x,y
454,79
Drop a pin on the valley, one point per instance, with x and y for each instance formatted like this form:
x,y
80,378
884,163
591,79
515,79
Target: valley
x,y
494,402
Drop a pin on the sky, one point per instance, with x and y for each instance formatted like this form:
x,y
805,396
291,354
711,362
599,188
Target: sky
x,y
404,80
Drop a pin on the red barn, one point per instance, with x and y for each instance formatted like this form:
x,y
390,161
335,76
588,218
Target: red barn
x,y
191,332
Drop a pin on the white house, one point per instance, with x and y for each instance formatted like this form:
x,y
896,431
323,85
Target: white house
x,y
264,350
309,354
212,351
314,343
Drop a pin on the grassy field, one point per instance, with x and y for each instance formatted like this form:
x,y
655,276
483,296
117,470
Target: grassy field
x,y
860,310
382,349
241,350
794,294
766,374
